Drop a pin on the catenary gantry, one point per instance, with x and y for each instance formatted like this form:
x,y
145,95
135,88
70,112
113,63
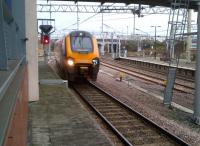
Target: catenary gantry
x,y
102,8
167,3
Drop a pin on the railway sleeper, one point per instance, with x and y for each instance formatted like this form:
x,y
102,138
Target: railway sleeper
x,y
106,107
108,114
118,110
102,104
91,99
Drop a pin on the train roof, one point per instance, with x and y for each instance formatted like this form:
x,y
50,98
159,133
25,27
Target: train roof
x,y
80,33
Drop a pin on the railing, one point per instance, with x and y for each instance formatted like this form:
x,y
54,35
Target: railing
x,y
9,89
12,60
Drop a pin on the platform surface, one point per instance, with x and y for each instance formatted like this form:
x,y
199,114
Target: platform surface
x,y
182,63
58,118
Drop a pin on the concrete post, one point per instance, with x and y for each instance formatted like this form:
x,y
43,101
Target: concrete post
x,y
189,40
31,50
155,43
133,24
119,44
103,45
196,115
112,43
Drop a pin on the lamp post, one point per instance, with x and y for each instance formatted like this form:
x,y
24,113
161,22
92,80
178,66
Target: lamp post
x,y
155,39
77,16
127,32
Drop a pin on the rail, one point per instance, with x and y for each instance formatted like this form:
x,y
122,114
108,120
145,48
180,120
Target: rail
x,y
104,101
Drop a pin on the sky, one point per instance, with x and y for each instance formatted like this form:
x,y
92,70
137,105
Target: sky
x,y
113,22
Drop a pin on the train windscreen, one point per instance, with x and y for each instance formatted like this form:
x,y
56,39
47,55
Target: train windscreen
x,y
81,44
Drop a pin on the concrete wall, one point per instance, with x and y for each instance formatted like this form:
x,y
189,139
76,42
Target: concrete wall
x,y
31,49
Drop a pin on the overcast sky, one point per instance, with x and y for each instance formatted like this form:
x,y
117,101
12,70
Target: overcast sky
x,y
121,23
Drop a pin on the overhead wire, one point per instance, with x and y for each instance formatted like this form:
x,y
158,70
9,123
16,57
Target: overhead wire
x,y
85,19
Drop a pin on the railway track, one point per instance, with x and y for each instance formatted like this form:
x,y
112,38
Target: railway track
x,y
156,78
182,73
130,126
162,69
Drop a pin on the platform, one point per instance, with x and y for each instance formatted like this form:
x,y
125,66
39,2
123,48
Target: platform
x,y
182,63
58,118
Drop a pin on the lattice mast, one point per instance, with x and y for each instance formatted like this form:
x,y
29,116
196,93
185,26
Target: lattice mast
x,y
175,42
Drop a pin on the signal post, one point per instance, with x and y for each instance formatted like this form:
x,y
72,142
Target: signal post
x,y
45,39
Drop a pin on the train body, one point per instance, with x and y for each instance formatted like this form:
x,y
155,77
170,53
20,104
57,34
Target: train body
x,y
78,55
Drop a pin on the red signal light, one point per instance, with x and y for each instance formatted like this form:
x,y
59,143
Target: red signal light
x,y
45,39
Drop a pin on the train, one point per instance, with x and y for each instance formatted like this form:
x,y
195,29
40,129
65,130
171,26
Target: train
x,y
77,54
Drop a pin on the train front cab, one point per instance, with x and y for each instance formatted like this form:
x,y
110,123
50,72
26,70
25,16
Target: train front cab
x,y
82,56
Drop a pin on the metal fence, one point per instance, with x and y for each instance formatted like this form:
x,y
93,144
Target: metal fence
x,y
12,58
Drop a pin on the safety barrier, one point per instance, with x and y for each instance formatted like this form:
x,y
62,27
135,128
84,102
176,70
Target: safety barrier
x,y
12,61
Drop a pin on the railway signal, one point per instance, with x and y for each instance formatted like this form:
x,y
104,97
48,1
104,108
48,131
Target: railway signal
x,y
45,39
45,33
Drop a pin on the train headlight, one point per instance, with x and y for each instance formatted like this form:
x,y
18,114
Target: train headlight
x,y
95,61
70,62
